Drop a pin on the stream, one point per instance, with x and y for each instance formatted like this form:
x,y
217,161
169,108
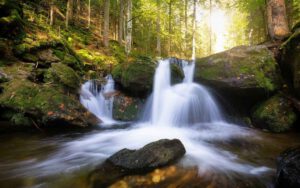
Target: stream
x,y
218,153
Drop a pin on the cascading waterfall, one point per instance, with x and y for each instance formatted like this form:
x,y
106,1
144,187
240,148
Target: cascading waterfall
x,y
182,104
99,101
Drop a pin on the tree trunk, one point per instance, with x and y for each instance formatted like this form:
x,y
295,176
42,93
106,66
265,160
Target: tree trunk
x,y
194,32
51,13
89,14
210,27
78,10
121,20
158,41
129,27
170,28
69,12
186,26
106,23
277,19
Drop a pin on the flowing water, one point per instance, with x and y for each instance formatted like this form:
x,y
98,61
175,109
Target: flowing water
x,y
219,151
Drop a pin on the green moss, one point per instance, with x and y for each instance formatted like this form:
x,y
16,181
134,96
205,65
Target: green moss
x,y
62,75
275,114
20,120
59,53
30,57
126,108
246,67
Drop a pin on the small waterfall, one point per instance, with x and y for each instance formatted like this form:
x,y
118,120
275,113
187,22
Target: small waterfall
x,y
99,100
182,104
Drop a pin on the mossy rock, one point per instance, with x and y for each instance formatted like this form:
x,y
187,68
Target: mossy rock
x,y
127,108
136,78
63,75
276,114
45,104
11,20
244,75
290,62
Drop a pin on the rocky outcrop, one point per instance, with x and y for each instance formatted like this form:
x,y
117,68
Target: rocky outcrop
x,y
136,78
125,162
50,103
288,169
243,74
276,114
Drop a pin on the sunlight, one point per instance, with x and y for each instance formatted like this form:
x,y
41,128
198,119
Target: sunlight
x,y
219,21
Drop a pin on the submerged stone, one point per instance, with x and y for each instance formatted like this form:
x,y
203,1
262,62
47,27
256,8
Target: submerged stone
x,y
125,162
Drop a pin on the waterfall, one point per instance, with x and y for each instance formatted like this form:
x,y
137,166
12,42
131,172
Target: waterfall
x,y
99,100
182,104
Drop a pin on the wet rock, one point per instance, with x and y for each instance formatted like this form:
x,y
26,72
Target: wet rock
x,y
125,162
126,108
276,114
244,75
41,105
136,78
288,169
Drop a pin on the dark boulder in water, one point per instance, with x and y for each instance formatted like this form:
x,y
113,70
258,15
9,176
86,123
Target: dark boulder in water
x,y
127,162
288,169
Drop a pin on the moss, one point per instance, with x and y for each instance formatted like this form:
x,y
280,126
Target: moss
x,y
62,75
20,120
30,57
275,114
59,53
244,67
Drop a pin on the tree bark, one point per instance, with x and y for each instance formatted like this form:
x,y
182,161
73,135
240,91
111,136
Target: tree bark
x,y
186,26
170,28
277,19
89,14
121,20
69,12
106,23
129,27
158,41
51,13
194,32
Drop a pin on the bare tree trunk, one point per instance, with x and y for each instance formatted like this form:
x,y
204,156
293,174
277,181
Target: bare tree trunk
x,y
121,20
69,12
185,25
106,23
277,19
89,14
158,41
78,10
210,27
194,31
129,27
51,13
170,28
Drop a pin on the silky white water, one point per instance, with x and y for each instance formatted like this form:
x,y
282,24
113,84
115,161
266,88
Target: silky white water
x,y
99,101
185,111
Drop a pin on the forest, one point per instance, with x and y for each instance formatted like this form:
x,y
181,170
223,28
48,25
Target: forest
x,y
150,93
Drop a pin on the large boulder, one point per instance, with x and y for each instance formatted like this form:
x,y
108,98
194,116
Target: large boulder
x,y
28,104
125,162
243,74
276,114
136,78
288,169
127,108
291,60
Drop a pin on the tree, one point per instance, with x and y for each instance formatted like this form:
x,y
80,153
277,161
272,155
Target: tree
x,y
277,19
69,12
89,14
129,27
194,31
121,22
158,41
106,23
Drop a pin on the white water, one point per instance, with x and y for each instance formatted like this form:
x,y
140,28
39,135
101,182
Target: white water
x,y
184,111
99,101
